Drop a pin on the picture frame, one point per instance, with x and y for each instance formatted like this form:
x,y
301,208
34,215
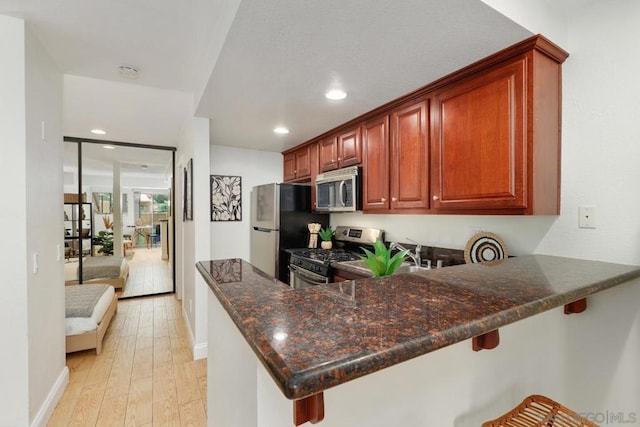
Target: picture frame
x,y
188,192
226,198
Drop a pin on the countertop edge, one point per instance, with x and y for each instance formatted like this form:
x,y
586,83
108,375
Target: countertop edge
x,y
297,385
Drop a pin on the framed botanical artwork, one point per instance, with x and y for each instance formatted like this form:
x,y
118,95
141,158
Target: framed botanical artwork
x,y
188,192
226,198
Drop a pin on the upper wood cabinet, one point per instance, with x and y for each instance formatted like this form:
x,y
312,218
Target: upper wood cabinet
x,y
496,140
297,164
482,140
409,157
340,150
375,180
395,161
328,152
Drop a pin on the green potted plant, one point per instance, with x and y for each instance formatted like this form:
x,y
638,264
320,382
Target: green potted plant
x,y
105,239
380,262
326,234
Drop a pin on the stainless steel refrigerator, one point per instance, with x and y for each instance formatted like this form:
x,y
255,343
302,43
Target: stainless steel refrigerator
x,y
279,217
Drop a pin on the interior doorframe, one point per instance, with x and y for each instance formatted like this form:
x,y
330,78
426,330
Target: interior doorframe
x,y
173,150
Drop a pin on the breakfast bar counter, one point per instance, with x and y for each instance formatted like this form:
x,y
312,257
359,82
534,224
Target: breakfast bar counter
x,y
310,340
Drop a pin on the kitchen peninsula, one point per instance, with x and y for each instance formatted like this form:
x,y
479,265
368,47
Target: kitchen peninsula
x,y
312,340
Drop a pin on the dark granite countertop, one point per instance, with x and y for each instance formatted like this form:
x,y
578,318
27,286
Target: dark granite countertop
x,y
312,339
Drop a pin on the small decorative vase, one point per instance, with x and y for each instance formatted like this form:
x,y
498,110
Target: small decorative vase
x,y
326,244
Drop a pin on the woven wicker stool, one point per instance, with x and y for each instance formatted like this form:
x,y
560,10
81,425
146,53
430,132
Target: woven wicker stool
x,y
540,411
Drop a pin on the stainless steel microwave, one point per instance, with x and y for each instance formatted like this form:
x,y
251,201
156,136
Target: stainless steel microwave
x,y
339,190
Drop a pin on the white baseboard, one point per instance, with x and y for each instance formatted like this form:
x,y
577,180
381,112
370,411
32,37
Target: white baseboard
x,y
200,350
49,405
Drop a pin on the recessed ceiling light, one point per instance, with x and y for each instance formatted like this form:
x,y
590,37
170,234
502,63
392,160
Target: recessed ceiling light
x,y
281,130
109,147
128,72
98,131
336,94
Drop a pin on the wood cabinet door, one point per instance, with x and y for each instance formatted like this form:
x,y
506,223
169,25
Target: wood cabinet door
x,y
303,163
349,148
313,158
408,169
375,153
328,154
289,167
479,141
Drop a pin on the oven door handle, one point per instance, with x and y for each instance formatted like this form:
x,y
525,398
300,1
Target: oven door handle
x,y
306,276
343,184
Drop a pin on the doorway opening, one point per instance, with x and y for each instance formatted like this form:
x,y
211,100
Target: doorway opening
x,y
120,202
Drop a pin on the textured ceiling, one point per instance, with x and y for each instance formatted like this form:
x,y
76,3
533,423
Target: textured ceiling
x,y
281,56
257,64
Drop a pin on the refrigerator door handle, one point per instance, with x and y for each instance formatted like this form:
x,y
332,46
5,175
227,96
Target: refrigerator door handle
x,y
265,230
343,184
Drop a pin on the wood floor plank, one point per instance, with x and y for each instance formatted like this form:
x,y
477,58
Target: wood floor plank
x,y
146,319
113,411
130,326
161,351
186,382
142,363
192,414
64,410
160,327
166,412
202,382
85,413
140,407
164,383
200,367
144,339
101,369
120,379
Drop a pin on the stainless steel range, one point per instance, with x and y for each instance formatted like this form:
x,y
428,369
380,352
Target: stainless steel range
x,y
310,267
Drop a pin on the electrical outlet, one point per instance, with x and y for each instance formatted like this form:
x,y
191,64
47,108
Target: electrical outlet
x,y
587,217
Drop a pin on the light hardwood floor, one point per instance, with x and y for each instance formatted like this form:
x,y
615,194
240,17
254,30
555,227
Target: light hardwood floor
x,y
145,375
148,273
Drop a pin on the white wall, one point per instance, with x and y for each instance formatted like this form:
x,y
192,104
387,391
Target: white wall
x,y
14,358
231,239
32,320
600,135
44,235
193,236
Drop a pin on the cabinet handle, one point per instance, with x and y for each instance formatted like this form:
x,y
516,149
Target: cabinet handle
x,y
383,200
436,198
394,199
